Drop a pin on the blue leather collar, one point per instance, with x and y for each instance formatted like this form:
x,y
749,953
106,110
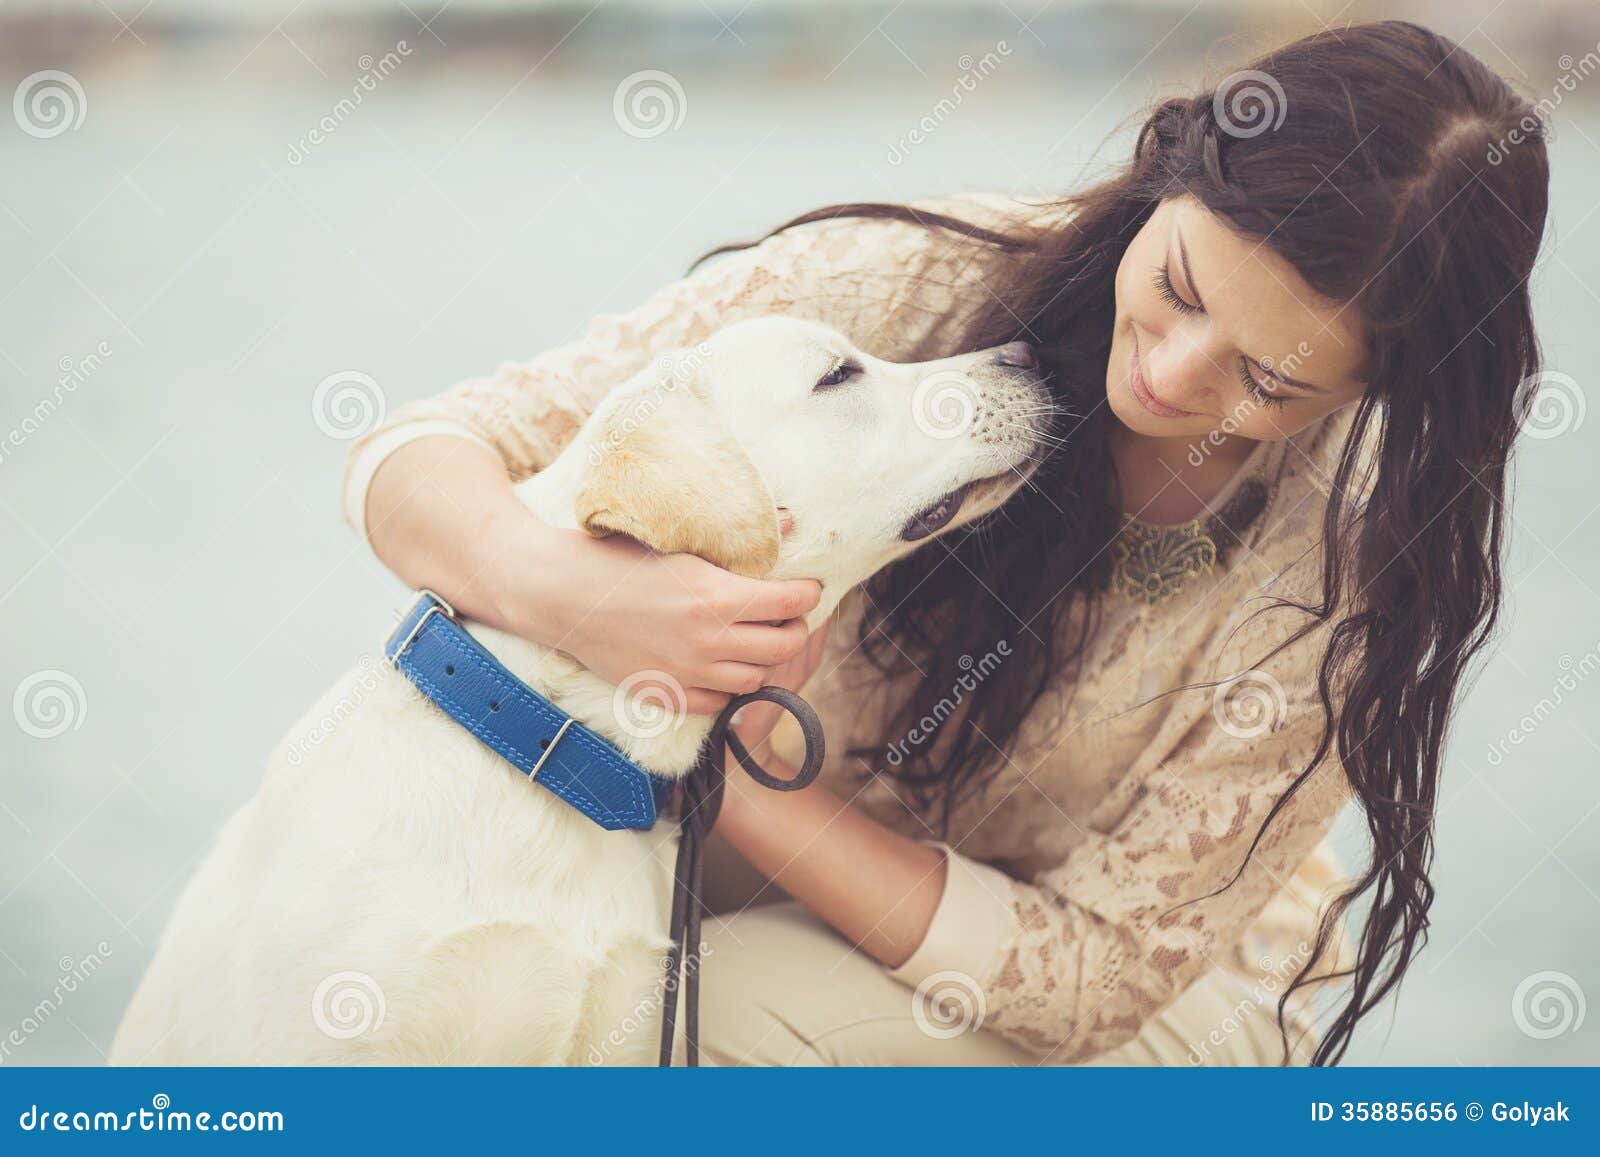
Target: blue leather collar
x,y
535,736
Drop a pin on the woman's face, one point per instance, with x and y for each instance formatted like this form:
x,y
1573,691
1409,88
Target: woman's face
x,y
1218,335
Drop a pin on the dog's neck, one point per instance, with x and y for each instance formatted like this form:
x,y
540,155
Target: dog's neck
x,y
665,746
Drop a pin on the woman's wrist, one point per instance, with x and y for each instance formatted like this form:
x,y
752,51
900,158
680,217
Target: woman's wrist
x,y
442,513
745,801
735,809
527,574
880,889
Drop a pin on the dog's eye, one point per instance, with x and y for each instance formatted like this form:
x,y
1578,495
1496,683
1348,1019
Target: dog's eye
x,y
837,376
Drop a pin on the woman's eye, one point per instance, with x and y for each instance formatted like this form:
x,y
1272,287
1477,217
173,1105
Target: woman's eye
x,y
1169,293
1255,389
840,374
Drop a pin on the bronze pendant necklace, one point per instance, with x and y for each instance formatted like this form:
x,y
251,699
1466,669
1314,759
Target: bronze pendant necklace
x,y
1150,563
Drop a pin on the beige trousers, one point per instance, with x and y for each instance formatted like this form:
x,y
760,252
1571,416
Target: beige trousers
x,y
780,987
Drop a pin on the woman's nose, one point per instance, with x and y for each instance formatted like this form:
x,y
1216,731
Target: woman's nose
x,y
1180,371
1018,355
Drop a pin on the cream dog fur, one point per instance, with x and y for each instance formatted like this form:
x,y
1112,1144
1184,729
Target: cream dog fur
x,y
398,894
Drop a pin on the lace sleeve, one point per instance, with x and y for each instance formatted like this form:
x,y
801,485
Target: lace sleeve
x,y
1073,963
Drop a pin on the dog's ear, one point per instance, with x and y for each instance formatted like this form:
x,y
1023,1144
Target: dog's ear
x,y
664,469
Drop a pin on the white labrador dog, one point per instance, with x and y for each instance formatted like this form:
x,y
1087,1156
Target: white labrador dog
x,y
398,894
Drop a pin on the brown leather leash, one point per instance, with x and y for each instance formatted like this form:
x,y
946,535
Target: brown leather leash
x,y
702,800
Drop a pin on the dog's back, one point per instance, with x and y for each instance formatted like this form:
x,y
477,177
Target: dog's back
x,y
395,893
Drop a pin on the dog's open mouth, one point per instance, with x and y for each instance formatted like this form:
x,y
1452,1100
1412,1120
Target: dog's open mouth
x,y
935,517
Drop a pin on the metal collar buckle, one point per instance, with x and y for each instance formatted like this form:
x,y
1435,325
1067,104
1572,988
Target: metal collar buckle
x,y
436,606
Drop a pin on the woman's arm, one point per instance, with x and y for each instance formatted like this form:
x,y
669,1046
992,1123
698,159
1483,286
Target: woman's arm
x,y
879,889
1070,964
441,513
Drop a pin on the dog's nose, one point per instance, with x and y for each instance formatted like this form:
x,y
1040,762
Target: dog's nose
x,y
1018,355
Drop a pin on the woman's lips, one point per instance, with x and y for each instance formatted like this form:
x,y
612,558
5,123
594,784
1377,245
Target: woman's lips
x,y
1142,391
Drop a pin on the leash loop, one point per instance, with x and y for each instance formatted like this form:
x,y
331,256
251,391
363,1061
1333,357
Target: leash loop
x,y
702,801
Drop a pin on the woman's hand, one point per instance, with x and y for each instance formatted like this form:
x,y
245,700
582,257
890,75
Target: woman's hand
x,y
756,721
442,514
621,609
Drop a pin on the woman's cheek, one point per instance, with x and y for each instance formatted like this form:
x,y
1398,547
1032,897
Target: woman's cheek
x,y
1273,423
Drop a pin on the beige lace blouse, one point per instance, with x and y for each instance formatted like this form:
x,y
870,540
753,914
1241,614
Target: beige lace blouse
x,y
1125,794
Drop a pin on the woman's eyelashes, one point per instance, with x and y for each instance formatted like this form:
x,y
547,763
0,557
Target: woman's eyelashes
x,y
1255,389
1169,294
837,376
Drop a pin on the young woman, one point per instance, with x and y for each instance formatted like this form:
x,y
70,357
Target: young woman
x,y
1083,758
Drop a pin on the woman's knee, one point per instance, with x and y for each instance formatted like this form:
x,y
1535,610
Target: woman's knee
x,y
782,988
756,994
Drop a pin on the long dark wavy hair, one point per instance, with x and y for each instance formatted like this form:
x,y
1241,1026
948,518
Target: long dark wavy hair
x,y
1405,179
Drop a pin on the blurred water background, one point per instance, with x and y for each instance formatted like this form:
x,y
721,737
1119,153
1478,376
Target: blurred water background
x,y
195,265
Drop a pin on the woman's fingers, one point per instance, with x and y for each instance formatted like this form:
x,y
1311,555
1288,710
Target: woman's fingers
x,y
699,701
785,655
764,645
763,601
734,678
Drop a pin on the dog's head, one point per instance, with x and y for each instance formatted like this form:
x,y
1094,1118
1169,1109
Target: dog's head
x,y
779,449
